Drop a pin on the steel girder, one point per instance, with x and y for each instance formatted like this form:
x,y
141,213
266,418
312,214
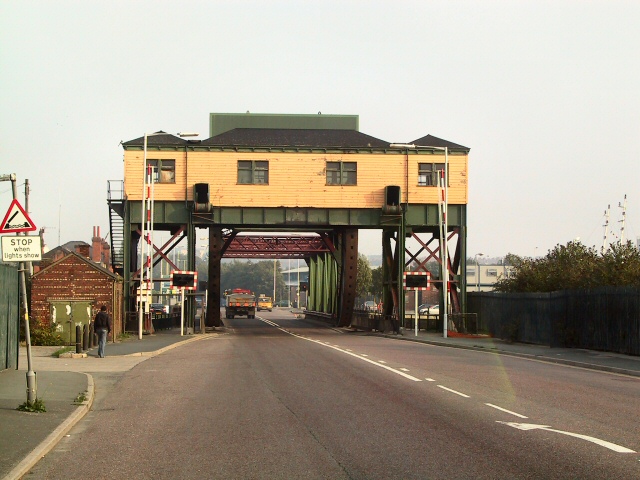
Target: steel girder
x,y
276,246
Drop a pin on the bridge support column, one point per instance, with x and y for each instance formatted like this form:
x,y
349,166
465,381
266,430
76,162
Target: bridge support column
x,y
348,276
216,243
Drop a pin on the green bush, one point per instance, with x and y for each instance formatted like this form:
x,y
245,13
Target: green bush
x,y
573,266
44,335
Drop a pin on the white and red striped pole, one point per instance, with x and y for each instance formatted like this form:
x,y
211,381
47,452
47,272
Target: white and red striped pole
x,y
143,239
445,253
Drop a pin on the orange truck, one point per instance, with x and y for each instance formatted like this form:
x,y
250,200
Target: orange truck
x,y
241,302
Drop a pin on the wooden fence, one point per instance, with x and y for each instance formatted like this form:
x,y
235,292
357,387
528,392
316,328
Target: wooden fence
x,y
605,319
9,317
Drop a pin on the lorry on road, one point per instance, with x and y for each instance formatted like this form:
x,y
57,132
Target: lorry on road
x,y
265,303
240,302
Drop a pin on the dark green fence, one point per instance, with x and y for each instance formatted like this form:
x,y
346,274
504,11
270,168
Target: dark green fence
x,y
606,318
9,316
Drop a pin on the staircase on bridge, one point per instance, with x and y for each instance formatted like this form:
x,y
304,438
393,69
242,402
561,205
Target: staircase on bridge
x,y
115,199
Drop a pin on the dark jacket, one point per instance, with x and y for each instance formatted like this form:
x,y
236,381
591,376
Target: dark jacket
x,y
103,320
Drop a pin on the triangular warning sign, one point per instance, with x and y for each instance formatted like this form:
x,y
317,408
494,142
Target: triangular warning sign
x,y
16,220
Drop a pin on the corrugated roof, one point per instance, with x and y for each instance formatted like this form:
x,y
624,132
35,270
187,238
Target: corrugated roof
x,y
283,137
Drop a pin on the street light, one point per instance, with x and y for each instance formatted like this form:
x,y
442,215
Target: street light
x,y
146,215
475,259
444,233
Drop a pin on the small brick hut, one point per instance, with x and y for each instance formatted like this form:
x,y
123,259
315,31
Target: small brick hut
x,y
70,291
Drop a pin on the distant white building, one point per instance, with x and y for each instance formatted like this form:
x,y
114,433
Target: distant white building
x,y
481,278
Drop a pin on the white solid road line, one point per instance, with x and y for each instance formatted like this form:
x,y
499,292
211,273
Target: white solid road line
x,y
504,410
453,391
355,355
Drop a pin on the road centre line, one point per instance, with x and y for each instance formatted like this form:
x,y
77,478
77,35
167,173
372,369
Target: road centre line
x,y
505,410
355,355
520,426
453,391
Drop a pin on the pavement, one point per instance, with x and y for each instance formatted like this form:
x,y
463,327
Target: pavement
x,y
66,385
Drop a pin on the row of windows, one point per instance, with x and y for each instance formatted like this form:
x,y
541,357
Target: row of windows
x,y
256,172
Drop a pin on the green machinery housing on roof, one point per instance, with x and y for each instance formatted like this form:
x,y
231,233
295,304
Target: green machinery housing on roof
x,y
223,122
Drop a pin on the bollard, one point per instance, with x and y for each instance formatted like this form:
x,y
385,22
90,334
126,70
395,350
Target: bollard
x,y
92,342
78,339
85,337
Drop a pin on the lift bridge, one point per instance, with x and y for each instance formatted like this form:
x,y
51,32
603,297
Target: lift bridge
x,y
272,186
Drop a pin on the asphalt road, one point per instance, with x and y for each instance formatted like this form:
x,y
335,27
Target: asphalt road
x,y
274,398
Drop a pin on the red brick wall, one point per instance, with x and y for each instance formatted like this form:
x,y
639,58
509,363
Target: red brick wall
x,y
74,279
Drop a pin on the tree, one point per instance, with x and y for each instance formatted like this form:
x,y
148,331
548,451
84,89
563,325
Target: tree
x,y
377,281
363,279
254,276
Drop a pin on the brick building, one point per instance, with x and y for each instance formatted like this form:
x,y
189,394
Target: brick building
x,y
70,287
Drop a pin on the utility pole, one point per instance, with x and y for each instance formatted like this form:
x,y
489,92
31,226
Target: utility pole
x,y
26,207
32,393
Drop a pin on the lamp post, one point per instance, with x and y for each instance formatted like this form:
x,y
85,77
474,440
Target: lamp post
x,y
475,259
444,233
146,215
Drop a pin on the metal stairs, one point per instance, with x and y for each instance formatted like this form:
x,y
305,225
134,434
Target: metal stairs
x,y
115,199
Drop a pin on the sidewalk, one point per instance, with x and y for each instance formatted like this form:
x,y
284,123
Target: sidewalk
x,y
61,382
594,360
26,437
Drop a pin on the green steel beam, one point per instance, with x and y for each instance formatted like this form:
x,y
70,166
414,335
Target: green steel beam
x,y
417,217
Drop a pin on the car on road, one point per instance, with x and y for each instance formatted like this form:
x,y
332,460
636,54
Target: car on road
x,y
426,309
370,306
158,308
283,303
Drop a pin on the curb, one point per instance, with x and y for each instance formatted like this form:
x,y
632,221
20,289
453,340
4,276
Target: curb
x,y
173,345
527,356
54,437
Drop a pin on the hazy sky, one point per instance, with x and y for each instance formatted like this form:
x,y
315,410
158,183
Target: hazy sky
x,y
545,93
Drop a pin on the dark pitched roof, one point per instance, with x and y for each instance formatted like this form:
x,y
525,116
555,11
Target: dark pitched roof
x,y
285,137
159,138
84,259
430,140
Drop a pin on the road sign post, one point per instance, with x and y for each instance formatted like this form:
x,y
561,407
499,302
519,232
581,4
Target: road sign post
x,y
15,221
416,281
183,280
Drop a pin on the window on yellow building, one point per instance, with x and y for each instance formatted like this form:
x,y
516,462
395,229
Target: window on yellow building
x,y
428,174
163,171
342,173
253,172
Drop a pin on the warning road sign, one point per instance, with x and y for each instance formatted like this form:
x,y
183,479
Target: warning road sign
x,y
16,220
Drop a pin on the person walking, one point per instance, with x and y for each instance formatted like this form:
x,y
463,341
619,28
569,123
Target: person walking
x,y
102,327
